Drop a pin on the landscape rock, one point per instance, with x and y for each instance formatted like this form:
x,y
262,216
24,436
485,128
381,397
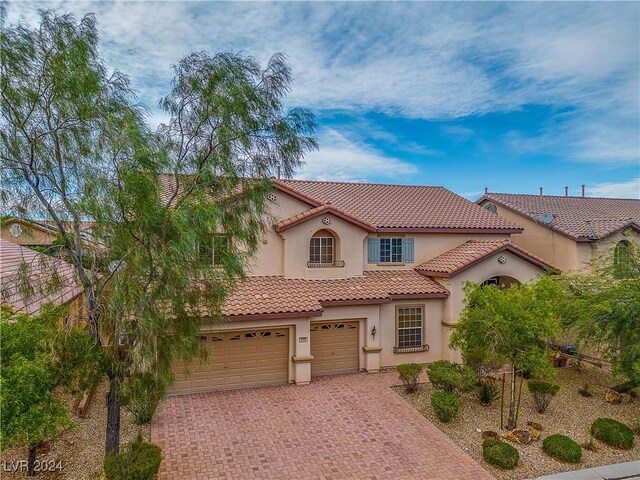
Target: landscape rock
x,y
521,437
535,425
614,397
489,434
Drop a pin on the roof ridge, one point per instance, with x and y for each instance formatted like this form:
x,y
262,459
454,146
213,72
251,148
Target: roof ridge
x,y
360,183
560,196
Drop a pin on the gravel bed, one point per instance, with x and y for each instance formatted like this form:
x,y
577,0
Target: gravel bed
x,y
80,450
569,413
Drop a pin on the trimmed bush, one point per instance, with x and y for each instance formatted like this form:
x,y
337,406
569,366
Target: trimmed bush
x,y
542,392
139,460
450,376
445,405
562,448
500,454
409,374
612,432
488,391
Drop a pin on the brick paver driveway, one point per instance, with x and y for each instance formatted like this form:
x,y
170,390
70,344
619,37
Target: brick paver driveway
x,y
341,427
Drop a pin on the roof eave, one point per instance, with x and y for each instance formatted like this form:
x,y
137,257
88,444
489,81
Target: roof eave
x,y
448,230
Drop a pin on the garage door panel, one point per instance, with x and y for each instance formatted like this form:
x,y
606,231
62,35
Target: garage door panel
x,y
237,359
334,347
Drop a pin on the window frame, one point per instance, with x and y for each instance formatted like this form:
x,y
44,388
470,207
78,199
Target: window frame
x,y
622,259
324,241
423,347
393,250
210,250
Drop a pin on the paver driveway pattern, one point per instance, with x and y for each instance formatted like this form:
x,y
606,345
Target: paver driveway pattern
x,y
340,427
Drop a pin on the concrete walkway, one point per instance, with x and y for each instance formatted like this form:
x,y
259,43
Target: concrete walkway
x,y
618,471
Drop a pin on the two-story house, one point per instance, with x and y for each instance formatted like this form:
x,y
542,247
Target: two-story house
x,y
570,232
355,277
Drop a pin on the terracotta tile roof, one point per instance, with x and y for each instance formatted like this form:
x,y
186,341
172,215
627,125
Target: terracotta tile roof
x,y
276,295
581,218
469,253
40,267
400,207
322,209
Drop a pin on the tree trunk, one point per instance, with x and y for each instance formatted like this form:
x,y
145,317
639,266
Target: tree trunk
x,y
511,422
31,462
112,444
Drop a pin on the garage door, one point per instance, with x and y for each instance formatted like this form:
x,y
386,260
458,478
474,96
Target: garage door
x,y
334,347
245,358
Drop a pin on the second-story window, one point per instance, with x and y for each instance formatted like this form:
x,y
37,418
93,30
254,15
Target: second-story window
x,y
214,249
390,250
322,247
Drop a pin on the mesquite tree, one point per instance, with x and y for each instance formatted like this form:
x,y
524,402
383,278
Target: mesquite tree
x,y
510,324
75,148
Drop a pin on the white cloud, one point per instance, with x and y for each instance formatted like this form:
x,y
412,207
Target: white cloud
x,y
428,60
340,159
630,189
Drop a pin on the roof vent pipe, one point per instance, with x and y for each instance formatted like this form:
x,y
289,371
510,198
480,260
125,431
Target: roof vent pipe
x,y
583,189
486,190
540,191
278,172
566,191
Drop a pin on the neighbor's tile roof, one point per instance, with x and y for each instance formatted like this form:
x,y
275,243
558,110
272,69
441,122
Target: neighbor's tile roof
x,y
271,295
392,207
471,252
40,270
581,218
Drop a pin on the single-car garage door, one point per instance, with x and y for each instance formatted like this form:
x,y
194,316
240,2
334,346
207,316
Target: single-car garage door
x,y
334,347
245,358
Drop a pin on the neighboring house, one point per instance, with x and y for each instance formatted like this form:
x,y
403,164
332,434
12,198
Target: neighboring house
x,y
50,280
34,233
569,232
355,277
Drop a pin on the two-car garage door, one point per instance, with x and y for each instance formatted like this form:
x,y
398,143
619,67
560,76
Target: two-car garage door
x,y
237,359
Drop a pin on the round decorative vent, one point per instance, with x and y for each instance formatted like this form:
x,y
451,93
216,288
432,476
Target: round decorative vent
x,y
326,220
15,230
502,259
271,197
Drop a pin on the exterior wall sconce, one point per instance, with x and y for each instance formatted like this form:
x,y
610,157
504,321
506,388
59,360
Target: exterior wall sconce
x,y
373,332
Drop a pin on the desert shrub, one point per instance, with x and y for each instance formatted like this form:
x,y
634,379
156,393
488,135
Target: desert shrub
x,y
488,391
482,362
590,445
562,448
450,376
612,433
500,454
542,392
139,460
142,396
445,405
409,374
585,391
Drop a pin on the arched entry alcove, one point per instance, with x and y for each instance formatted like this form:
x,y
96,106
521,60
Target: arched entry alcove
x,y
501,281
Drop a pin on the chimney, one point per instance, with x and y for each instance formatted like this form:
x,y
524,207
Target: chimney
x,y
583,189
486,190
566,191
540,191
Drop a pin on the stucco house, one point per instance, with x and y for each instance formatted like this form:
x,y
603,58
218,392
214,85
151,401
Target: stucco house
x,y
569,232
355,277
34,233
18,262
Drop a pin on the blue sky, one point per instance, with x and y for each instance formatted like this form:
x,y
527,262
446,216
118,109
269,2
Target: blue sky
x,y
509,96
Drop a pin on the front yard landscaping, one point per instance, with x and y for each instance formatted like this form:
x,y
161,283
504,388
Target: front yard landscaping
x,y
569,413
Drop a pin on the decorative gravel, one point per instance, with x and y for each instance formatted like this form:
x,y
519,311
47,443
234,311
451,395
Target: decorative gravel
x,y
80,450
569,413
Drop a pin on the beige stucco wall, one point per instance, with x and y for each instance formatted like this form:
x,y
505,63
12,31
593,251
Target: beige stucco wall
x,y
602,250
29,235
555,248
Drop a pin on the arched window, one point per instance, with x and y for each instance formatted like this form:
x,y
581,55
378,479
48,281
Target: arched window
x,y
491,207
622,259
322,248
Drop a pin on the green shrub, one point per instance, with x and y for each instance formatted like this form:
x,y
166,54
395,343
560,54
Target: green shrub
x,y
142,396
488,391
445,405
500,454
542,392
562,448
139,460
450,376
409,374
612,433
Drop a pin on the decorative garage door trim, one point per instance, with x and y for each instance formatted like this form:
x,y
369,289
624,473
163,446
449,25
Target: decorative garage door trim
x,y
334,347
236,359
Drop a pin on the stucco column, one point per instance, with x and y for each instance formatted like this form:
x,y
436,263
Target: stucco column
x,y
371,344
302,352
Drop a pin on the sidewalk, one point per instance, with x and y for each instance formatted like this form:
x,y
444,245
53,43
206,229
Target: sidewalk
x,y
618,471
